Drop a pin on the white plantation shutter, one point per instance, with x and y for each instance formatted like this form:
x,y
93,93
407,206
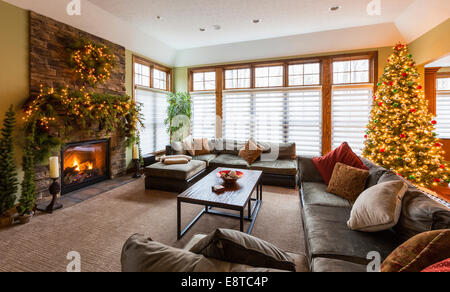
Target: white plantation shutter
x,y
279,116
154,136
443,114
203,115
350,111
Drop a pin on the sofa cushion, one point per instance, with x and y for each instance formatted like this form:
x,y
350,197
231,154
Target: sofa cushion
x,y
328,236
206,158
316,194
378,208
324,265
375,172
226,146
177,171
280,167
343,154
419,252
347,182
141,254
308,170
251,152
229,160
241,248
419,212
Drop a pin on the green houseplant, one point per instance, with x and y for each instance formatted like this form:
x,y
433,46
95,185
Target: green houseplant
x,y
179,114
8,175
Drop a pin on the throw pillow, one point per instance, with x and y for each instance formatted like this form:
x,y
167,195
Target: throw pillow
x,y
347,182
251,152
240,248
173,161
441,267
344,154
201,146
419,252
188,145
378,208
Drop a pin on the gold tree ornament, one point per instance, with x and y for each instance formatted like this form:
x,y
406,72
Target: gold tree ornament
x,y
401,133
91,62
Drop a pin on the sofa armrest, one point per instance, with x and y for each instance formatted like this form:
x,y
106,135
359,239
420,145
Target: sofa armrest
x,y
308,170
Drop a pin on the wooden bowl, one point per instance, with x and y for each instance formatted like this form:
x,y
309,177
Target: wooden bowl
x,y
230,181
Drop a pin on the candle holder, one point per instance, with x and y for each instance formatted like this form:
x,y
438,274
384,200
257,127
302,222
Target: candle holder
x,y
137,165
54,189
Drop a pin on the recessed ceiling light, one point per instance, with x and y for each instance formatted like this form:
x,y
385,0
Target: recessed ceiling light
x,y
217,27
202,29
158,17
335,8
256,21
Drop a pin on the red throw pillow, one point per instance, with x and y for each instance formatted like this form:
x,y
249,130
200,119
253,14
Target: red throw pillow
x,y
344,154
442,267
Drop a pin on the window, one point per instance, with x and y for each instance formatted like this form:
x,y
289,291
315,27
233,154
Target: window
x,y
275,116
443,108
304,74
269,76
141,74
204,81
203,115
154,136
354,71
350,111
237,78
159,79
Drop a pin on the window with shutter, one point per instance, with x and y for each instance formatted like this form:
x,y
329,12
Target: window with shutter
x,y
350,111
203,123
154,136
443,108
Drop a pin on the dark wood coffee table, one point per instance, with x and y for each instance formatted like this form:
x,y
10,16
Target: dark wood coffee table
x,y
235,198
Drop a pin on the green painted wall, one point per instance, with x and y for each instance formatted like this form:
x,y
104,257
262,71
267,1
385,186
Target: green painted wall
x,y
14,75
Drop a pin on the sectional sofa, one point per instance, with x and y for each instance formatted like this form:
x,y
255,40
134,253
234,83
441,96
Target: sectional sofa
x,y
278,164
333,247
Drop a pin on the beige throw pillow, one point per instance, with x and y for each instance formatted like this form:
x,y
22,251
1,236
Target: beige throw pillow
x,y
173,161
378,208
347,182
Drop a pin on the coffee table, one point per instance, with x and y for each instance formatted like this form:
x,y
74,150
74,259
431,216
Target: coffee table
x,y
235,198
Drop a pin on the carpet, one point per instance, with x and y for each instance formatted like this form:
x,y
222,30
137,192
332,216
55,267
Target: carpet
x,y
98,228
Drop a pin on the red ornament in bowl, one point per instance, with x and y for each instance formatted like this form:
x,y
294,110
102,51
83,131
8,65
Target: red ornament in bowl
x,y
230,177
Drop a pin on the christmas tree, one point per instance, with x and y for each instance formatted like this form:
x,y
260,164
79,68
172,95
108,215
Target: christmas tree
x,y
28,197
8,174
401,133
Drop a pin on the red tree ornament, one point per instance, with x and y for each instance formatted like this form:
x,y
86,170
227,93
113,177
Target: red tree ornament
x,y
434,122
382,150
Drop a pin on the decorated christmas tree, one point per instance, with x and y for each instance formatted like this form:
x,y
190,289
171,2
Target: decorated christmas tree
x,y
8,174
401,133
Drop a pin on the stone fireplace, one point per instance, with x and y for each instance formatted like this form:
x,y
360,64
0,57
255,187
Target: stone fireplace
x,y
49,40
84,164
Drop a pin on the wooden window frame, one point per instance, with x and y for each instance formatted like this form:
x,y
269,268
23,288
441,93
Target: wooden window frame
x,y
318,61
326,82
191,79
153,65
237,68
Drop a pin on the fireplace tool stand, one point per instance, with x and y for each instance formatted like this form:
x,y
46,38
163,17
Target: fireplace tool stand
x,y
55,189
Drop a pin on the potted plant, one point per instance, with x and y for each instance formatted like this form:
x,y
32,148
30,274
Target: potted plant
x,y
179,114
8,174
28,197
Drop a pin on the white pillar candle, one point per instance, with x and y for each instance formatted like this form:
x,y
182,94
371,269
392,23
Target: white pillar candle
x,y
135,152
54,167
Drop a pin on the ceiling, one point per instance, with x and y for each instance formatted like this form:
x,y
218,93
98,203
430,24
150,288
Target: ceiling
x,y
181,19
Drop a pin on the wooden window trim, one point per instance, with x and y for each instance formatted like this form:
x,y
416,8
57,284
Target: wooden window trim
x,y
317,61
153,65
326,81
191,78
236,68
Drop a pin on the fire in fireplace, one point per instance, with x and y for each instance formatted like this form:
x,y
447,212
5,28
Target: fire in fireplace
x,y
84,164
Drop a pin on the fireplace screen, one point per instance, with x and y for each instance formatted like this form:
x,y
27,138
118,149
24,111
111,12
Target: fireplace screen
x,y
84,164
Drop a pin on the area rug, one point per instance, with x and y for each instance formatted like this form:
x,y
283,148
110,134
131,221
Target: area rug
x,y
97,228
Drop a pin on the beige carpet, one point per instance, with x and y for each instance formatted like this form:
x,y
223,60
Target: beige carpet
x,y
98,228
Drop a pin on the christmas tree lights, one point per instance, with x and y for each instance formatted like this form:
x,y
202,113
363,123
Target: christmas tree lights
x,y
401,133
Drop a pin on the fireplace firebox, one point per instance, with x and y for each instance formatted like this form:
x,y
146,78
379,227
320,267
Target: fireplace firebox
x,y
84,164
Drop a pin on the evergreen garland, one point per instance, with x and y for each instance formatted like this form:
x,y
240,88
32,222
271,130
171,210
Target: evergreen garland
x,y
8,174
28,197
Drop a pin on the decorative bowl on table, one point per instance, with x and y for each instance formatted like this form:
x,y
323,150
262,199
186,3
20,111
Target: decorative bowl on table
x,y
230,177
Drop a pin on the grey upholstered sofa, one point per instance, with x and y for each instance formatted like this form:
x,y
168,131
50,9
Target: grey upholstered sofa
x,y
333,247
278,164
